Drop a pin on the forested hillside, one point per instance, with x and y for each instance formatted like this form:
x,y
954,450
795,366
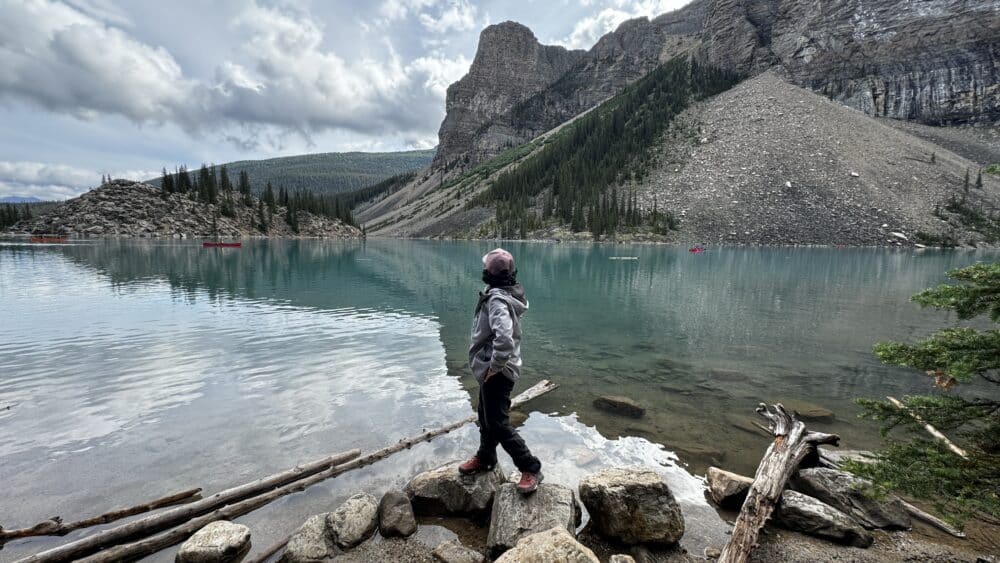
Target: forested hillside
x,y
328,173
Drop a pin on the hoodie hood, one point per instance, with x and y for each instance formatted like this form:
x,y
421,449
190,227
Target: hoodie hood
x,y
513,295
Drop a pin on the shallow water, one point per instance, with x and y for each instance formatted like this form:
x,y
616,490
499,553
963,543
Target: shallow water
x,y
132,369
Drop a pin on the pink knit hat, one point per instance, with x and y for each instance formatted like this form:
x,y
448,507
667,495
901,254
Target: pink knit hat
x,y
497,261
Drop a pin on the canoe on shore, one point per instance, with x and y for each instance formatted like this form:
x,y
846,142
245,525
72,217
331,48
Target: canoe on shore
x,y
48,239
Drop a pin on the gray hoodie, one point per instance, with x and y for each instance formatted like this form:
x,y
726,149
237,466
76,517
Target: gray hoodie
x,y
496,332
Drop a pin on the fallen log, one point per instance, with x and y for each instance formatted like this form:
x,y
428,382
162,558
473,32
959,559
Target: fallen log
x,y
928,518
166,519
56,527
166,539
792,443
930,429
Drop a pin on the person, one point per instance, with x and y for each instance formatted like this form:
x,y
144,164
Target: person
x,y
495,361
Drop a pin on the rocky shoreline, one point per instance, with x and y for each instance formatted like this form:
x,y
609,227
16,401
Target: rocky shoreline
x,y
826,514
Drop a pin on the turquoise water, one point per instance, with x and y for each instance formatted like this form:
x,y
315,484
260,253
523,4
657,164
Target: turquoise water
x,y
132,369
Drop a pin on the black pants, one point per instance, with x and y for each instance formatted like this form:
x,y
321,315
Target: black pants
x,y
495,428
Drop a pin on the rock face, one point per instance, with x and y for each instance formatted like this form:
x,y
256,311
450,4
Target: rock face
x,y
632,505
551,546
218,542
516,516
354,521
311,543
803,513
454,552
122,208
444,492
620,405
395,515
726,489
932,61
853,496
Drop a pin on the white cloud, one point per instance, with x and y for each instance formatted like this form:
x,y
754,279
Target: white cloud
x,y
55,181
439,71
587,31
459,15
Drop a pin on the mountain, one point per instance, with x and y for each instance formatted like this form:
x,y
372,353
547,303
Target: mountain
x,y
122,208
836,136
933,61
19,199
327,173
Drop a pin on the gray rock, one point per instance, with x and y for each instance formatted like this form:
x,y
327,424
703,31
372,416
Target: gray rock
x,y
632,505
551,546
620,558
454,552
805,514
620,405
218,542
354,521
854,496
444,492
809,412
712,552
312,542
395,515
727,489
516,516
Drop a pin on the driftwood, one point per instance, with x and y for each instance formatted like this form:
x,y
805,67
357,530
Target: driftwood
x,y
930,429
163,540
56,527
172,517
792,443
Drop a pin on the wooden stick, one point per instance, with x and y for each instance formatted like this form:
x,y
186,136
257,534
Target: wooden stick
x,y
166,539
172,517
933,431
792,443
56,527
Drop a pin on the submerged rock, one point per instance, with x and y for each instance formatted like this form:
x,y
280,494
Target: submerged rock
x,y
620,405
727,489
445,492
854,496
632,505
395,515
808,412
454,552
516,515
808,515
551,546
218,542
312,542
354,521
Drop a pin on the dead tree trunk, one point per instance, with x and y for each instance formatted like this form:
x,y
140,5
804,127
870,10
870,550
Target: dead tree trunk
x,y
792,443
56,527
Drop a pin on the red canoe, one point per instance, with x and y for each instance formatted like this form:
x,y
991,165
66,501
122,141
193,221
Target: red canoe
x,y
221,244
48,239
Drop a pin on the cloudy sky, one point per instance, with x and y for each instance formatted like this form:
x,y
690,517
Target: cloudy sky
x,y
126,87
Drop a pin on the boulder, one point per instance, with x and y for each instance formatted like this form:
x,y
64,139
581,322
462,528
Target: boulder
x,y
516,515
354,521
727,489
312,542
808,412
454,552
853,495
395,515
805,514
632,505
620,405
551,546
218,542
445,492
619,558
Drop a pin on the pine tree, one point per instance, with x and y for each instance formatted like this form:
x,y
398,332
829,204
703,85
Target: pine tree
x,y
952,356
269,198
979,179
166,183
225,184
965,184
243,186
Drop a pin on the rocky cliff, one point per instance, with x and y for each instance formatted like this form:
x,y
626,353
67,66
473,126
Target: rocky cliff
x,y
125,208
934,61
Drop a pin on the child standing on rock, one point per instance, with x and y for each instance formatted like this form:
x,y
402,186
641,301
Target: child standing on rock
x,y
495,360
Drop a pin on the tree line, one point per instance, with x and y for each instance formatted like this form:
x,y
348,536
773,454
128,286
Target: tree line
x,y
603,149
213,185
10,214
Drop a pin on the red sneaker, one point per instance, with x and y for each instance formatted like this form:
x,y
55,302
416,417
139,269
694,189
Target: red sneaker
x,y
474,465
529,482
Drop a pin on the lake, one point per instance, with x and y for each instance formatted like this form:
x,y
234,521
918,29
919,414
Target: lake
x,y
131,369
